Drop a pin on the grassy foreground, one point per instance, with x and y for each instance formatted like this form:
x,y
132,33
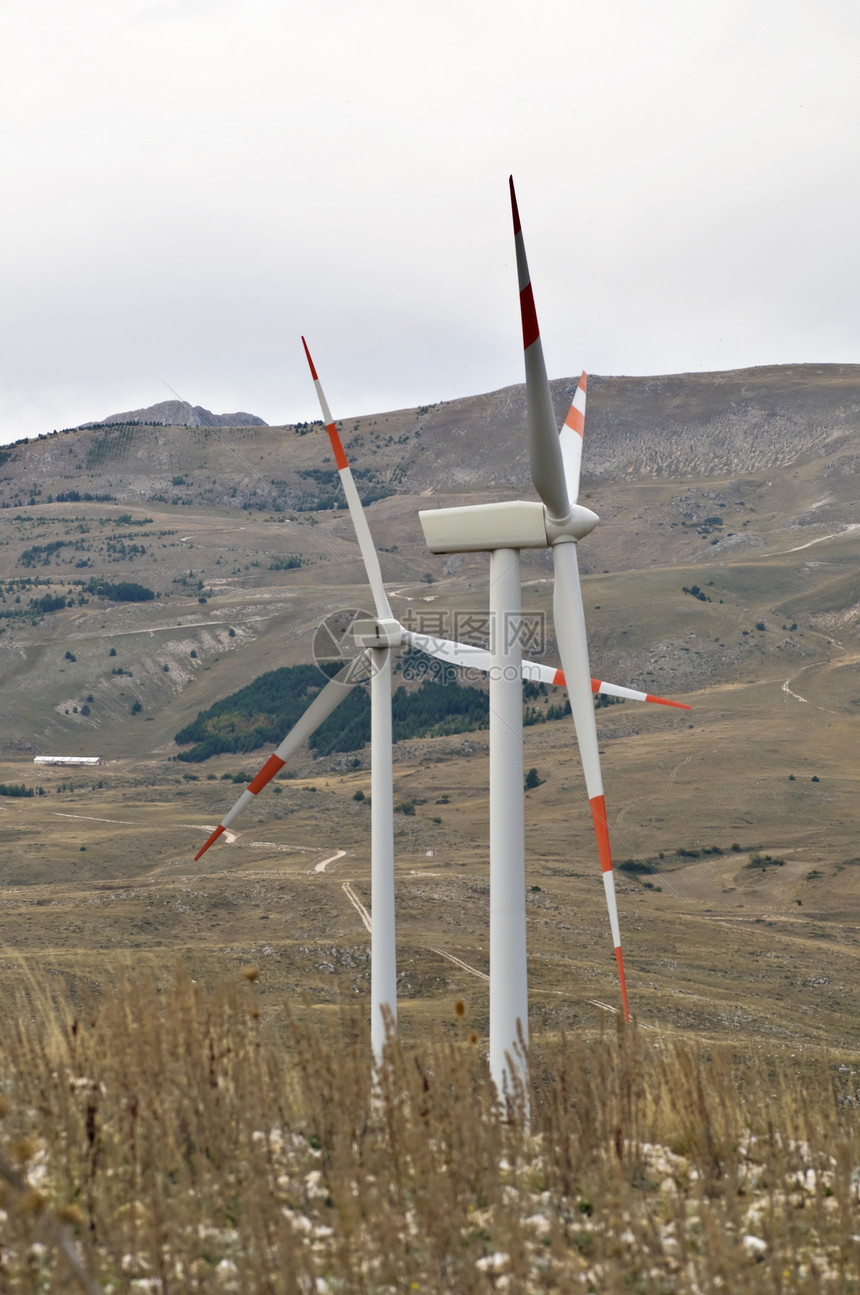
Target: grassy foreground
x,y
184,1141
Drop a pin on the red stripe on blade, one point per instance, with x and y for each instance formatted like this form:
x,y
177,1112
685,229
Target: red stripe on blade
x,y
601,831
310,361
212,839
575,420
339,453
620,961
514,210
664,701
272,766
596,685
531,332
558,678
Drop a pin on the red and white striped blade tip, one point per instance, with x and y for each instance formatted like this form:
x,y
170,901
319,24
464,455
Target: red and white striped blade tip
x,y
664,701
213,838
575,419
330,426
310,361
601,832
599,685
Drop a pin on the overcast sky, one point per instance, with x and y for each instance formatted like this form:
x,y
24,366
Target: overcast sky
x,y
189,185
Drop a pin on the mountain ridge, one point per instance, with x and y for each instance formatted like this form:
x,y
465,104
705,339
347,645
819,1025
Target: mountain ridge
x,y
713,425
179,413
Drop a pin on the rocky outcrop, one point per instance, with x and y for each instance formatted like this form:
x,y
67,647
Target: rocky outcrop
x,y
178,413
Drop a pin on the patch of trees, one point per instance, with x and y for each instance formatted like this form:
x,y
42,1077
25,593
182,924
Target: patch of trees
x,y
48,603
705,527
322,476
126,591
329,494
40,554
10,789
263,713
126,519
435,709
119,551
540,715
78,496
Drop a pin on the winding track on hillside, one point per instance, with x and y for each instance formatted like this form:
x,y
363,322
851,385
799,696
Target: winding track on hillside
x,y
458,962
847,528
332,858
359,907
91,818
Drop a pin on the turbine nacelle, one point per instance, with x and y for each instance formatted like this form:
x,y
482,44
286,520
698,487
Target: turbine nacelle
x,y
517,524
379,633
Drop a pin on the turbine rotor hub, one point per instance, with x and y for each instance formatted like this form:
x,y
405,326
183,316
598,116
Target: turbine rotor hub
x,y
578,523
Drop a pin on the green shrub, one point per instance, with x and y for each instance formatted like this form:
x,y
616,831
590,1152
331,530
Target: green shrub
x,y
763,861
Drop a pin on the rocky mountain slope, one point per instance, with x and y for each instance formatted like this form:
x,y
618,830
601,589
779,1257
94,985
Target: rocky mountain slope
x,y
711,426
740,486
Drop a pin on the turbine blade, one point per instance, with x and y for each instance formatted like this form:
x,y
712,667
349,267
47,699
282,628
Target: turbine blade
x,y
356,512
545,458
570,632
335,691
633,694
570,437
467,656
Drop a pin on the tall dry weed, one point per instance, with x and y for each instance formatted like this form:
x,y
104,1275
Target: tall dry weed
x,y
193,1141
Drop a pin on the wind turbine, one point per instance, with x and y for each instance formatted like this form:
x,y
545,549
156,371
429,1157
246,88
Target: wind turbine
x,y
377,637
562,523
504,529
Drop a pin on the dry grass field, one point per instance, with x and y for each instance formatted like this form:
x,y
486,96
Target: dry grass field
x,y
174,1138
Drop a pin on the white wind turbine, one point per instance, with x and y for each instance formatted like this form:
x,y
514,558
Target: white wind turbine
x,y
377,637
506,667
504,529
